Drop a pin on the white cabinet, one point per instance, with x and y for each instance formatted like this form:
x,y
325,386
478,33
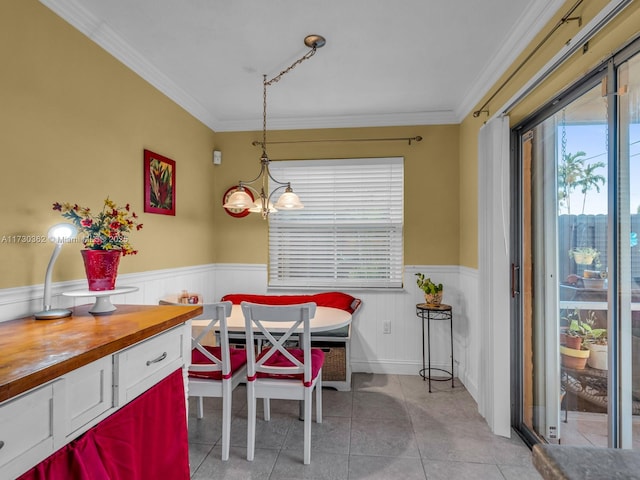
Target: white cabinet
x,y
30,428
140,367
37,423
89,395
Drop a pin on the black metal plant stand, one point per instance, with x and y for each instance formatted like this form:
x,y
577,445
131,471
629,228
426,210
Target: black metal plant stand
x,y
428,313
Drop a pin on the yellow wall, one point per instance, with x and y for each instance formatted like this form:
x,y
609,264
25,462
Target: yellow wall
x,y
431,172
73,125
615,35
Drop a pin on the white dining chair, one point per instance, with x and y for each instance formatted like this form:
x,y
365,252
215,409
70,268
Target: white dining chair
x,y
216,371
281,372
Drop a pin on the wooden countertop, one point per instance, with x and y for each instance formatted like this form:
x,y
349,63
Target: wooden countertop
x,y
33,352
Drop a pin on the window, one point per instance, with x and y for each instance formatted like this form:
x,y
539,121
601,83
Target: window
x,y
350,232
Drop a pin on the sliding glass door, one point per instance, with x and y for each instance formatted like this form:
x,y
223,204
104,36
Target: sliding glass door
x,y
627,280
578,263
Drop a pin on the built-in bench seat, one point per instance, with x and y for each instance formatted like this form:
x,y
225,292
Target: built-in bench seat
x,y
336,343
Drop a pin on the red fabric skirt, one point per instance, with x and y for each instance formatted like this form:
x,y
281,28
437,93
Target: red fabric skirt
x,y
145,439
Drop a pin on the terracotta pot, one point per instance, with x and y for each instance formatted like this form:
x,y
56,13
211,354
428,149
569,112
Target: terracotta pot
x,y
572,342
101,267
591,274
433,298
572,358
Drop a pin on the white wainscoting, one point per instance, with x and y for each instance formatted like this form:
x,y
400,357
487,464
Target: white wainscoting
x,y
152,286
372,350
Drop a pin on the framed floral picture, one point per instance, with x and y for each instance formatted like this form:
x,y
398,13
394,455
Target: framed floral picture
x,y
159,184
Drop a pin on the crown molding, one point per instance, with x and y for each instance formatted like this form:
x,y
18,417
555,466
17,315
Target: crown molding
x,y
530,23
441,117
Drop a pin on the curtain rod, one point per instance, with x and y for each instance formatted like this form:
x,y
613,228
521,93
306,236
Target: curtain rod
x,y
579,40
566,18
417,138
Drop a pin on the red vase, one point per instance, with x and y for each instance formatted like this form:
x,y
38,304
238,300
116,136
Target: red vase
x,y
101,267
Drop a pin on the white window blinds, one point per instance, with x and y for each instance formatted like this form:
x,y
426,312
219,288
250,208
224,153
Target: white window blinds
x,y
350,232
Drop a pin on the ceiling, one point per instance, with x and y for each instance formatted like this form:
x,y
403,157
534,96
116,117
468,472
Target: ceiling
x,y
385,63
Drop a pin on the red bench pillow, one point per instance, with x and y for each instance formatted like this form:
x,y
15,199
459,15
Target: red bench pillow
x,y
338,300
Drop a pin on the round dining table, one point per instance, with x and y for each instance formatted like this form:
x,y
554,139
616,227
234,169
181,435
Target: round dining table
x,y
326,318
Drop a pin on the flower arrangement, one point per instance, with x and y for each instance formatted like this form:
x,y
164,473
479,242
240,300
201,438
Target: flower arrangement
x,y
107,230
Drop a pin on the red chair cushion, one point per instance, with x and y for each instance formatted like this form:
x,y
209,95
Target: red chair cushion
x,y
279,360
238,359
339,300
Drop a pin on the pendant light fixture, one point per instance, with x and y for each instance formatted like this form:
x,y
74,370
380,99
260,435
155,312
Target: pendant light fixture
x,y
240,199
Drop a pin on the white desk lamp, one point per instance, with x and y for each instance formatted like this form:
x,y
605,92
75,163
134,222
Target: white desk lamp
x,y
59,234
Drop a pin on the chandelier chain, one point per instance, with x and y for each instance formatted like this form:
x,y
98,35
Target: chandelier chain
x,y
264,116
266,83
277,78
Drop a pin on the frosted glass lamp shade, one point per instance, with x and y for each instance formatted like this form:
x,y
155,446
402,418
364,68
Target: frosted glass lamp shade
x,y
240,200
289,201
257,207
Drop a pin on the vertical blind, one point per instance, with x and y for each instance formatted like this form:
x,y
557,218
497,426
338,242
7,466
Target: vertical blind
x,y
350,232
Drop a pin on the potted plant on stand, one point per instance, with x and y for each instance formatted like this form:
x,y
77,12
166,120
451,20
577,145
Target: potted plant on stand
x,y
105,236
432,291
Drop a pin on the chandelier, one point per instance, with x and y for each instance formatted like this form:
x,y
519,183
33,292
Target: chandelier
x,y
240,199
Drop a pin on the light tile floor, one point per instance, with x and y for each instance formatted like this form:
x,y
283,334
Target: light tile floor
x,y
387,427
591,430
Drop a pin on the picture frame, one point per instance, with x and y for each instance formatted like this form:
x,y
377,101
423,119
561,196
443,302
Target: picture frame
x,y
159,184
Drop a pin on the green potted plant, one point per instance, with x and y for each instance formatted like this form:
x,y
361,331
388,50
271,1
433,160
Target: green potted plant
x,y
584,255
570,337
580,334
432,291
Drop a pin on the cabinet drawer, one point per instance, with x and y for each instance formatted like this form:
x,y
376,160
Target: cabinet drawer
x,y
140,367
29,428
89,394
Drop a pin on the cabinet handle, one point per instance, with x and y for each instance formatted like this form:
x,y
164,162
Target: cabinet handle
x,y
1,444
156,360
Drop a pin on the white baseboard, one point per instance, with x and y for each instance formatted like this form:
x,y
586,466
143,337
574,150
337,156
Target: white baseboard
x,y
395,367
